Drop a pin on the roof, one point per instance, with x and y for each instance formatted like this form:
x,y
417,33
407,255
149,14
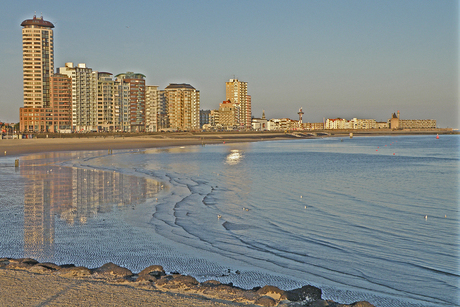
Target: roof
x,y
181,85
131,75
37,22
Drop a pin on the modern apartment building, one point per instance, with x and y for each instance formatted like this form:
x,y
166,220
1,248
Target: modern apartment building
x,y
152,101
183,105
229,115
37,61
131,101
56,117
248,113
38,64
84,96
107,108
61,102
237,92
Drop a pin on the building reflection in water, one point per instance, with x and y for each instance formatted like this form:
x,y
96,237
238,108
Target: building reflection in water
x,y
74,195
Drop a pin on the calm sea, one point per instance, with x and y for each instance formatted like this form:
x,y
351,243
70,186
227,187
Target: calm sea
x,y
368,218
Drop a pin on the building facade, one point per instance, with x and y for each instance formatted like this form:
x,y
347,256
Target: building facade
x,y
107,108
152,101
183,104
229,115
131,101
396,123
204,117
84,96
36,115
56,117
237,93
37,61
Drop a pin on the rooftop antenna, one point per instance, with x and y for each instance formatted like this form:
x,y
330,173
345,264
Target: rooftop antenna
x,y
35,14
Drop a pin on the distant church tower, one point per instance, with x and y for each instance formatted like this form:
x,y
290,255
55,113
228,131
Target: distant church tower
x,y
263,114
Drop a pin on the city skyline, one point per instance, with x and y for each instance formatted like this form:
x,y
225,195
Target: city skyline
x,y
334,59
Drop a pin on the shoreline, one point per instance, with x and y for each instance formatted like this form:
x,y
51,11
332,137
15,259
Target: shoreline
x,y
27,282
101,141
87,142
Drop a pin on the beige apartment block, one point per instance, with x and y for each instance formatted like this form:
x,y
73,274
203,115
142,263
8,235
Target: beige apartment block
x,y
237,92
183,105
38,61
229,115
107,108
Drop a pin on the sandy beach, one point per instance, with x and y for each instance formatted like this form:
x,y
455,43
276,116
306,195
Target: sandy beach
x,y
21,288
26,282
74,142
87,142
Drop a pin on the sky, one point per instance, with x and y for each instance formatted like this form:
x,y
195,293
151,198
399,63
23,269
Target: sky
x,y
334,58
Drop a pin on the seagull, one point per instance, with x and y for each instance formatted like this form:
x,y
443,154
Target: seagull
x,y
219,216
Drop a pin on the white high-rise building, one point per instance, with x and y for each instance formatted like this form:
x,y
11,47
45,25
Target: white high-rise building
x,y
84,96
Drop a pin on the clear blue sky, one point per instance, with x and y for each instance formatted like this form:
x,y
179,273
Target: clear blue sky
x,y
364,59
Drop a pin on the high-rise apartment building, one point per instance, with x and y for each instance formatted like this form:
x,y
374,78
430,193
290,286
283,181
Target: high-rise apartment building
x,y
131,101
237,92
183,105
248,113
47,97
152,100
84,96
61,103
107,109
38,61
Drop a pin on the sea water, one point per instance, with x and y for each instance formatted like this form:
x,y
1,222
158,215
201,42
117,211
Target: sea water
x,y
368,218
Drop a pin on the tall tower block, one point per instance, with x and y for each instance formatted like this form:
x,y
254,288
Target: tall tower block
x,y
237,93
37,61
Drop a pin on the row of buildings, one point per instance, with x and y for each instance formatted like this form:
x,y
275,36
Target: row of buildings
x,y
287,124
80,99
77,98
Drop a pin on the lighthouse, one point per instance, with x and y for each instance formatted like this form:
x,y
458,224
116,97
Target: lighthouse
x,y
300,115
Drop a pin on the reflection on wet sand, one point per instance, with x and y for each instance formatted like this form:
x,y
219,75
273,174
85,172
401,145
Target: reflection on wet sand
x,y
73,195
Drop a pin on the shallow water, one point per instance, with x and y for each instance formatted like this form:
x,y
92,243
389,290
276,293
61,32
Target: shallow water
x,y
369,218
